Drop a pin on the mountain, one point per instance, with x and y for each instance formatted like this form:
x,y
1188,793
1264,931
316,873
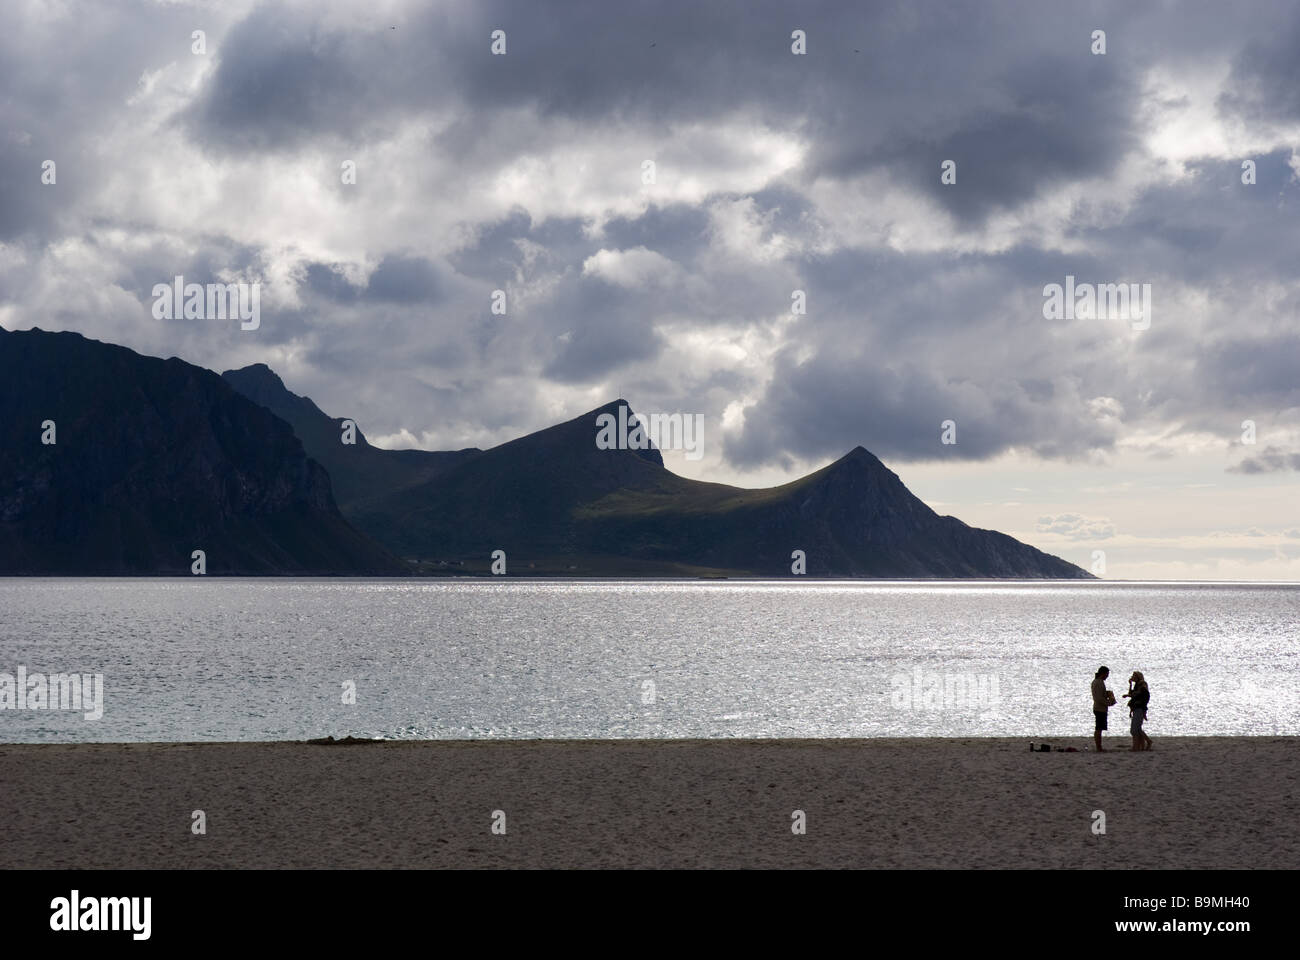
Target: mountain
x,y
852,518
156,458
525,495
556,503
152,460
358,471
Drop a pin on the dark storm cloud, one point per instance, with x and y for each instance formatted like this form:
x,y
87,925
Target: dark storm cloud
x,y
325,280
64,84
1211,224
908,341
400,279
1268,460
217,258
602,332
1043,118
1063,120
786,209
499,249
27,206
825,406
896,340
1265,81
679,231
1245,369
282,79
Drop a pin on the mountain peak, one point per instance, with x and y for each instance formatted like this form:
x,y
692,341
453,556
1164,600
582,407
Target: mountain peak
x,y
858,458
258,370
610,406
579,434
259,382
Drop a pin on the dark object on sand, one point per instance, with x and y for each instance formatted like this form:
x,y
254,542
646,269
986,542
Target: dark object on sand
x,y
1048,748
345,742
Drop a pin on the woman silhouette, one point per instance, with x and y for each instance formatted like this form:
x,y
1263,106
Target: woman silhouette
x,y
1139,696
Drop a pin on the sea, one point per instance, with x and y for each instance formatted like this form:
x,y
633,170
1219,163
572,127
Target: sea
x,y
215,659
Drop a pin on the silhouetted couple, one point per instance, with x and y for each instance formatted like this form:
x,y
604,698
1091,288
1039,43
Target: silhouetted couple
x,y
1138,697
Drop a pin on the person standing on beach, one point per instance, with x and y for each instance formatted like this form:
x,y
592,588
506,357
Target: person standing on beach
x,y
1102,701
1139,695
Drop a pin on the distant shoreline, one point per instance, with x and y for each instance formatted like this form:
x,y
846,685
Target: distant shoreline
x,y
1192,803
656,578
1082,742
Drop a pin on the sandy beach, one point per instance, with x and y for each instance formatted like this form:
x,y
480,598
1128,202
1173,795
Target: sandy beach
x,y
918,803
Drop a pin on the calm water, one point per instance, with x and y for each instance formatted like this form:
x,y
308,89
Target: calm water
x,y
269,659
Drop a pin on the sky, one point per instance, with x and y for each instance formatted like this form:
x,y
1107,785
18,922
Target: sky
x,y
655,189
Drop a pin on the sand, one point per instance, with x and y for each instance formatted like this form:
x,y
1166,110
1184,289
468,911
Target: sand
x,y
917,803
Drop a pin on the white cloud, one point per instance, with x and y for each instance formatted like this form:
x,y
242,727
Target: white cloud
x,y
637,267
1073,526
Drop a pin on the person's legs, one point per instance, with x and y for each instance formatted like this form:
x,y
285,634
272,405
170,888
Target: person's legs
x,y
1096,733
1140,739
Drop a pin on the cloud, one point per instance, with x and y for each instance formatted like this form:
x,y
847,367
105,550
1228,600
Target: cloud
x,y
400,279
1073,526
774,173
1268,460
637,267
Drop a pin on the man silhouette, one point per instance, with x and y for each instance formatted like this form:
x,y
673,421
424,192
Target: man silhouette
x,y
1102,700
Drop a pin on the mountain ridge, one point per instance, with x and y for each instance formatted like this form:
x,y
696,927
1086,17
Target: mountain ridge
x,y
153,459
157,457
555,500
359,471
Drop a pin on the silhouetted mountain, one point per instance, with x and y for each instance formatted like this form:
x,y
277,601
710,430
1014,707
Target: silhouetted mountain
x,y
852,518
358,471
154,459
525,495
555,502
